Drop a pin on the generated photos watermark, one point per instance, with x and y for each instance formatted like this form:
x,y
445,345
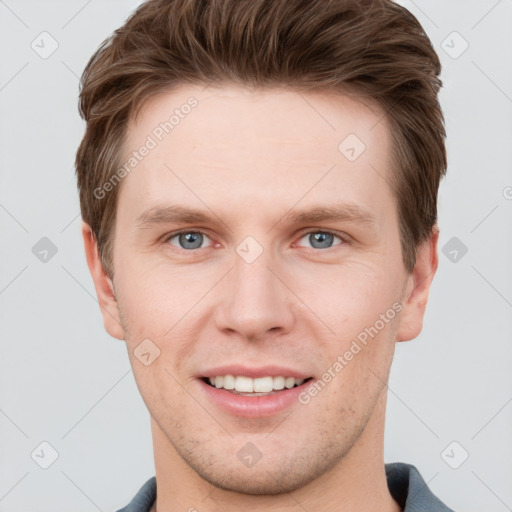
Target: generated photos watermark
x,y
358,343
152,140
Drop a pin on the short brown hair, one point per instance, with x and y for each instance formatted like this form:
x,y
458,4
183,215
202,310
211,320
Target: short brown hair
x,y
374,49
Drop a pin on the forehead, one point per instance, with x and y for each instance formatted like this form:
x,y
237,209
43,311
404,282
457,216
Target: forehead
x,y
267,145
311,117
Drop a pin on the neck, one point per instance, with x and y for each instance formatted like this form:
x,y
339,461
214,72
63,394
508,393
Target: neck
x,y
356,483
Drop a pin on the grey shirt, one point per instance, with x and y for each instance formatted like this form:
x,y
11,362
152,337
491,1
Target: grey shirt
x,y
405,484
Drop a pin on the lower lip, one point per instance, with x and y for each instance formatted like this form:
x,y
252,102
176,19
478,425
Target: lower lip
x,y
253,407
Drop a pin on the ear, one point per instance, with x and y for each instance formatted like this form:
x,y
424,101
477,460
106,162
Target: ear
x,y
417,288
103,284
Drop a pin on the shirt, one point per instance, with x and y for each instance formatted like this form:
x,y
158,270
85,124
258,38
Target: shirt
x,y
405,484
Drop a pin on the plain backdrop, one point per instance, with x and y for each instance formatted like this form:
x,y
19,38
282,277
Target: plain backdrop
x,y
65,383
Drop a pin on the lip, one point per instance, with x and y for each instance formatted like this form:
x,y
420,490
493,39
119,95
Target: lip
x,y
252,407
262,371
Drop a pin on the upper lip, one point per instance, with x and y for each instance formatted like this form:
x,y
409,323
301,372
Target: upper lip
x,y
261,371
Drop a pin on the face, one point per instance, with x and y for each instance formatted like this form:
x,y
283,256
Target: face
x,y
259,238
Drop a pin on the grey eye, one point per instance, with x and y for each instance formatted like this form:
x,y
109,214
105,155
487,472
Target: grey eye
x,y
320,239
188,240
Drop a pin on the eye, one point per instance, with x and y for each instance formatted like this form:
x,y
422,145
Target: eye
x,y
187,239
320,239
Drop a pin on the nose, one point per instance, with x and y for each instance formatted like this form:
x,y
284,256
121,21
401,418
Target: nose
x,y
255,302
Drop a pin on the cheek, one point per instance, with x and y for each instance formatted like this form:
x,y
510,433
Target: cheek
x,y
361,306
154,298
348,297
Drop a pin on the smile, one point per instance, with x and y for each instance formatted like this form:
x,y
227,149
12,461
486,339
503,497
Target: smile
x,y
252,398
260,386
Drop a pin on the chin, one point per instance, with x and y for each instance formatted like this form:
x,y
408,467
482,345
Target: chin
x,y
258,482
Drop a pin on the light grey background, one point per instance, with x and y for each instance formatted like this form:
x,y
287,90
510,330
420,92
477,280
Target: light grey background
x,y
64,381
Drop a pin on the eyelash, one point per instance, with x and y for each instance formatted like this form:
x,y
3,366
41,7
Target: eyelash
x,y
343,238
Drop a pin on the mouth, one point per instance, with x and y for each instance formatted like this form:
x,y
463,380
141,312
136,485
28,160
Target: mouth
x,y
251,391
254,387
256,404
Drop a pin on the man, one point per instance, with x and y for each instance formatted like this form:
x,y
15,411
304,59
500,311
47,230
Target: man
x,y
258,183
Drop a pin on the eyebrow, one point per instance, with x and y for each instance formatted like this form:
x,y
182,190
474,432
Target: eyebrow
x,y
181,214
345,212
171,213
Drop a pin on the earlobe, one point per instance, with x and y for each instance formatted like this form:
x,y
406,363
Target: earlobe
x,y
103,285
415,298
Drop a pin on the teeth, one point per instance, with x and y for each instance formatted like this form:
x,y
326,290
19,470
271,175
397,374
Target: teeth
x,y
244,384
263,384
279,383
289,382
229,382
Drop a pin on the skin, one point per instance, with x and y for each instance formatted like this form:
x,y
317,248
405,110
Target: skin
x,y
248,158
